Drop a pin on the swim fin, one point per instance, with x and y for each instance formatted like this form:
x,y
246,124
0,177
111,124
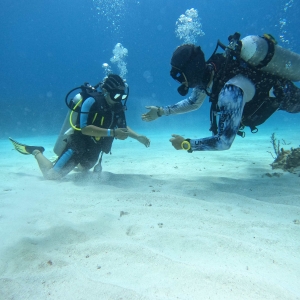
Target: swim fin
x,y
24,149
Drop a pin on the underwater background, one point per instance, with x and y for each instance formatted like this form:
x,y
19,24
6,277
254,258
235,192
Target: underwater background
x,y
50,47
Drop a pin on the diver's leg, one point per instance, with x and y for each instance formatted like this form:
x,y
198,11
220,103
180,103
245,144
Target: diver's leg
x,y
70,158
91,155
44,164
64,164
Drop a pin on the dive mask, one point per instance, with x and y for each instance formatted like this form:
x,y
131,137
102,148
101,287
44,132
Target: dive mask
x,y
179,76
119,95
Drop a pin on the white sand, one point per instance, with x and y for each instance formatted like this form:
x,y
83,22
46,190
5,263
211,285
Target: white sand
x,y
158,224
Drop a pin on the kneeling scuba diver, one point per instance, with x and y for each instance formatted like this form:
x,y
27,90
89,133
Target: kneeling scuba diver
x,y
100,118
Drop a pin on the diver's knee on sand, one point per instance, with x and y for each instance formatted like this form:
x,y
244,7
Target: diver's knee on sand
x,y
52,175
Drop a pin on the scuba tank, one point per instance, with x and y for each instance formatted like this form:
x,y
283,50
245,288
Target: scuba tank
x,y
66,129
263,53
69,124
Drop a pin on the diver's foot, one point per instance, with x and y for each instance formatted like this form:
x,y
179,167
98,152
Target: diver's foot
x,y
30,149
24,149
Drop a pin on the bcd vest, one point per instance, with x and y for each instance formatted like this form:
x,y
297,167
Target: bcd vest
x,y
256,111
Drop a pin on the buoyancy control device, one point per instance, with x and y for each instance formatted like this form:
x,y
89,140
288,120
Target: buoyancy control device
x,y
264,54
69,124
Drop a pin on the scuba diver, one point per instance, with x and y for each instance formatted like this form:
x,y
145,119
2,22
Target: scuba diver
x,y
96,118
246,84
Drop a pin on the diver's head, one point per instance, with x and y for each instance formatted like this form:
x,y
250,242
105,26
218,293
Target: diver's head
x,y
188,66
115,87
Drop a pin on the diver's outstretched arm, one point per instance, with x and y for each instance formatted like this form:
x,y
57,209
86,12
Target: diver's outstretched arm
x,y
192,103
141,138
231,105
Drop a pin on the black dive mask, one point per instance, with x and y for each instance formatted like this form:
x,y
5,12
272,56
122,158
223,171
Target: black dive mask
x,y
179,76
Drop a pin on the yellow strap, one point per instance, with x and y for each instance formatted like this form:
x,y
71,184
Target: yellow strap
x,y
97,138
95,116
270,37
71,114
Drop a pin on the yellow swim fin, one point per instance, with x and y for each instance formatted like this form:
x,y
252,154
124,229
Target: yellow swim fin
x,y
24,149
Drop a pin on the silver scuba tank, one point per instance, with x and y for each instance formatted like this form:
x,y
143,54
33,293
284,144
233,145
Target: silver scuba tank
x,y
283,63
66,129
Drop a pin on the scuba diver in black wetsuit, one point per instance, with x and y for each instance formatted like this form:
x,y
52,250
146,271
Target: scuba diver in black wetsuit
x,y
99,119
246,84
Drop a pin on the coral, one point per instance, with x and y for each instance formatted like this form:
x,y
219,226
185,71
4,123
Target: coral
x,y
286,160
276,145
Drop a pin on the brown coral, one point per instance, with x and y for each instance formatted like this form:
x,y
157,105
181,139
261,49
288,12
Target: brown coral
x,y
287,160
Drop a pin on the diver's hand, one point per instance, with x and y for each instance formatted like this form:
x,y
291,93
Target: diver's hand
x,y
144,140
121,133
154,113
176,141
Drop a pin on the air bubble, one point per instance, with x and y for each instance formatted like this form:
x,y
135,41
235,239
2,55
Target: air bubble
x,y
119,55
189,27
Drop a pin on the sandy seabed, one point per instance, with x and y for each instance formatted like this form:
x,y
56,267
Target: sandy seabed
x,y
157,224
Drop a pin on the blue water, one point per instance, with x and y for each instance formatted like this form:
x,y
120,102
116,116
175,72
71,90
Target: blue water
x,y
49,47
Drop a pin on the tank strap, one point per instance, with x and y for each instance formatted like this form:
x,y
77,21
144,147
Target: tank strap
x,y
270,54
